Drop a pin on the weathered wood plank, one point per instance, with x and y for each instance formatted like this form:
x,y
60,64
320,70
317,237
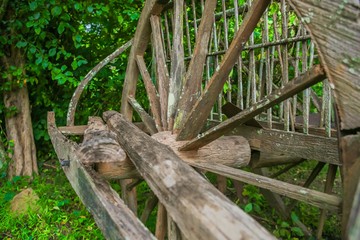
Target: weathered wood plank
x,y
151,92
199,113
80,129
291,144
312,197
189,199
228,150
335,29
194,75
177,63
314,75
145,117
351,152
354,221
161,69
112,216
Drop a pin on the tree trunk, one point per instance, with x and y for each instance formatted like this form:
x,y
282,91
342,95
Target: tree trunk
x,y
18,119
19,129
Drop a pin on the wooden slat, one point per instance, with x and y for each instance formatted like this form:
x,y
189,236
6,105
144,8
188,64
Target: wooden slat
x,y
151,92
177,63
202,108
316,74
291,144
312,197
111,215
145,117
194,74
189,199
161,69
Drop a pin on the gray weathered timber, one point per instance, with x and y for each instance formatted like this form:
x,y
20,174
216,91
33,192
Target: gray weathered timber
x,y
335,28
80,88
151,92
200,211
145,117
162,72
177,63
312,197
193,78
231,151
291,144
351,152
112,216
314,75
199,113
354,220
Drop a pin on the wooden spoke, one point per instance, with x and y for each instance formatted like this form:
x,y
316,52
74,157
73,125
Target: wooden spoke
x,y
312,197
199,113
150,204
161,69
177,64
314,75
151,92
175,183
145,117
330,178
194,74
161,222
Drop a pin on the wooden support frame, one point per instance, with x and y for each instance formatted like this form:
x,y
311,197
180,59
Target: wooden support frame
x,y
112,216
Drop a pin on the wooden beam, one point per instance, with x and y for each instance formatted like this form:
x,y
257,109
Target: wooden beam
x,y
354,220
291,144
177,62
80,129
194,75
231,151
162,72
145,117
314,75
199,113
111,215
151,91
189,199
312,197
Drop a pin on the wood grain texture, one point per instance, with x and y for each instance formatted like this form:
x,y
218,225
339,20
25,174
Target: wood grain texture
x,y
314,75
151,92
111,215
201,110
335,29
194,75
177,62
145,117
200,211
312,197
228,150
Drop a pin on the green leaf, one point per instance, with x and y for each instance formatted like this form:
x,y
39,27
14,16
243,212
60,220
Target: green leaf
x,y
285,225
29,24
52,52
81,62
56,11
38,60
248,208
78,6
32,49
90,9
78,38
33,5
74,64
297,231
61,27
21,44
294,217
37,30
37,15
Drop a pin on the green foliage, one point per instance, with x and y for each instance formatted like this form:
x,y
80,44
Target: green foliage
x,y
61,216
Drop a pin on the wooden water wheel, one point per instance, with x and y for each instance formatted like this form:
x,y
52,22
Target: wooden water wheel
x,y
215,93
